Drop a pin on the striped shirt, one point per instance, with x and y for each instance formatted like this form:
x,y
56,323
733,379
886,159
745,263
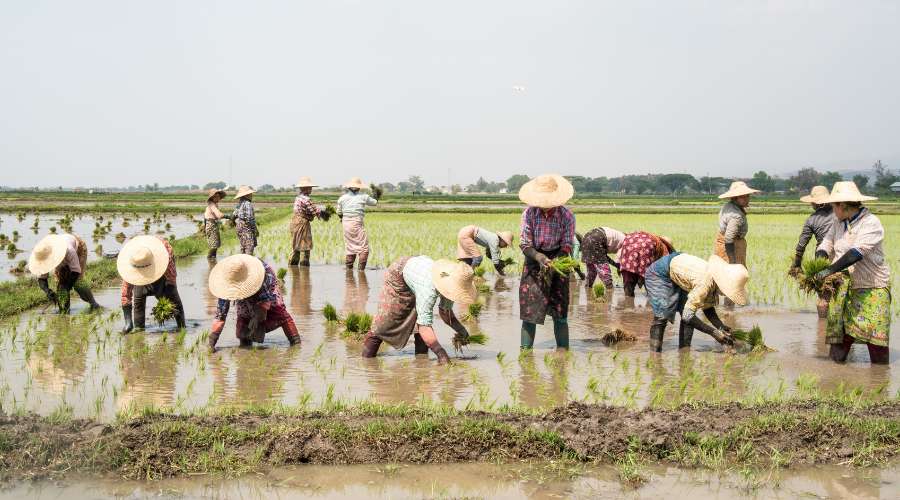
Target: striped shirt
x,y
417,275
304,206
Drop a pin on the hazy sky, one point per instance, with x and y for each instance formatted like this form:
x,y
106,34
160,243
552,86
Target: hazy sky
x,y
124,92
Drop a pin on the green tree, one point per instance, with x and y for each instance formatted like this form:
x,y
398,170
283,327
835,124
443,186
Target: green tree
x,y
515,182
675,182
829,178
763,181
860,180
805,179
883,176
417,183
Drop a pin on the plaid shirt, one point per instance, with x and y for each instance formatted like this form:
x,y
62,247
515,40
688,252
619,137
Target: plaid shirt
x,y
556,230
268,295
304,206
244,211
170,275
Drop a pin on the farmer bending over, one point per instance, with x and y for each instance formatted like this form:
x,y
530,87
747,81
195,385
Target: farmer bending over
x,y
147,267
471,237
66,256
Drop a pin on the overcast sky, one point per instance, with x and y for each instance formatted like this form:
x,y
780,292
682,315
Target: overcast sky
x,y
124,92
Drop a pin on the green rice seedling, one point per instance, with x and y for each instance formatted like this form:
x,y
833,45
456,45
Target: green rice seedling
x,y
163,311
282,272
599,290
330,313
474,310
475,338
327,212
753,337
357,323
479,271
377,192
807,276
483,287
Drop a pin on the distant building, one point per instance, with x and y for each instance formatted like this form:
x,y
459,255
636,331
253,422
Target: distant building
x,y
895,187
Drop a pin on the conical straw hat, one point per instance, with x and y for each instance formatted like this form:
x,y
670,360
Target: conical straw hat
x,y
244,191
142,260
455,281
847,191
305,182
817,195
546,191
738,188
731,279
212,192
355,183
47,254
506,236
237,277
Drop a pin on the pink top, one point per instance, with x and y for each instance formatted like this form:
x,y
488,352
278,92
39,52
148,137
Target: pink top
x,y
614,239
71,261
865,234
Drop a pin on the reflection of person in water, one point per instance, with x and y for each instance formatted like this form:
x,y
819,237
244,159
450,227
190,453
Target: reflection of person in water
x,y
301,292
53,362
536,390
356,291
253,377
417,382
148,372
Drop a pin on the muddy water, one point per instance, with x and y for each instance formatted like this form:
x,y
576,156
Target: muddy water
x,y
33,227
80,364
537,481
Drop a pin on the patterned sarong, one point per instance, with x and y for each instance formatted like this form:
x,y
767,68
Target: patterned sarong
x,y
301,234
864,314
537,299
396,319
356,241
213,238
246,236
666,298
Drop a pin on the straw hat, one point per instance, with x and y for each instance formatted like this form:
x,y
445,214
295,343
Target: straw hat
x,y
142,260
546,191
507,237
738,188
47,254
305,182
355,183
817,195
237,277
244,191
668,241
846,191
455,281
212,192
730,278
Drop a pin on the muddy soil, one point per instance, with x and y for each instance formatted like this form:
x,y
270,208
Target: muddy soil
x,y
815,432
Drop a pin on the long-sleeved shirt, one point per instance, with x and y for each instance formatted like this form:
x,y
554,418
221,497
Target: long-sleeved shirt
x,y
490,241
244,211
417,275
614,239
305,207
733,222
690,274
353,205
546,232
865,234
818,224
212,212
71,260
170,275
267,297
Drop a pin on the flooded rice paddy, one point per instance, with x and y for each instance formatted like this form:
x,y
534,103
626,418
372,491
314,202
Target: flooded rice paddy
x,y
538,481
81,366
103,234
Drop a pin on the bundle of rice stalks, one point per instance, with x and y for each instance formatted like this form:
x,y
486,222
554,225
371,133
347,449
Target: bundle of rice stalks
x,y
163,311
475,338
753,338
563,266
282,272
377,192
807,276
479,271
357,323
599,290
473,311
330,313
616,336
483,288
326,213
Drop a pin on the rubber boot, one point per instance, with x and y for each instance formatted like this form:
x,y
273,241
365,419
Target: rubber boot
x,y
212,341
245,342
421,346
657,329
290,331
211,254
126,315
371,344
527,335
349,260
363,260
561,332
140,312
441,354
295,258
85,293
180,323
629,288
304,259
879,354
685,334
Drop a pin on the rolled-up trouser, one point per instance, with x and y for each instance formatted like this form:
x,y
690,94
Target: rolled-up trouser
x,y
159,289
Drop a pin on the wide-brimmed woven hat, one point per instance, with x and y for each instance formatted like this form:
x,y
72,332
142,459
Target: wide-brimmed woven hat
x,y
305,182
47,254
455,281
237,277
355,183
546,191
142,260
846,191
212,192
244,191
506,236
738,188
731,279
817,195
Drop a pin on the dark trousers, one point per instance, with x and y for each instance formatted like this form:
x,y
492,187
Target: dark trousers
x,y
158,289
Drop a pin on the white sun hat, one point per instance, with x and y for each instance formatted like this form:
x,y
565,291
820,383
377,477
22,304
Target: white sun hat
x,y
47,254
244,191
142,260
817,195
546,191
305,182
847,191
455,281
731,279
506,236
237,277
355,183
738,188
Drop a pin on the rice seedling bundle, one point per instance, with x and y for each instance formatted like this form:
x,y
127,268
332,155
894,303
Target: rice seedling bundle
x,y
616,336
327,212
807,281
475,338
474,310
377,192
282,272
599,289
330,313
357,323
479,271
753,338
163,311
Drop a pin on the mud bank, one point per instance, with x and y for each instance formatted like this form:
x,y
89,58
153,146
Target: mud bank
x,y
711,436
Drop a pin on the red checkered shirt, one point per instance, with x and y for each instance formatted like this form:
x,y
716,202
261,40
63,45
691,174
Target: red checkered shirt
x,y
551,231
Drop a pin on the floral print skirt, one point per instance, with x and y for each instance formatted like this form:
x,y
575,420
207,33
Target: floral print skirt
x,y
538,298
213,238
246,237
863,313
396,318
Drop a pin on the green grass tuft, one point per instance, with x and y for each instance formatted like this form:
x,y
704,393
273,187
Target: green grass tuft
x,y
330,313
